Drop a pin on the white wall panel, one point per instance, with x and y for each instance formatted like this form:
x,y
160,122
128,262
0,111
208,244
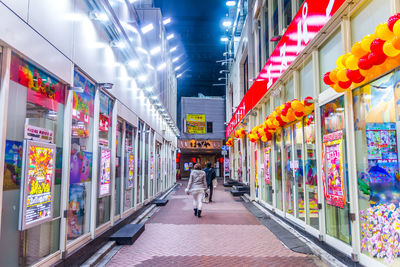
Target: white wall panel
x,y
16,33
20,7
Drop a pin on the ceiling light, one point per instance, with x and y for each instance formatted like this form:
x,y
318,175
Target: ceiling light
x,y
162,66
224,39
179,75
142,78
147,28
227,23
177,68
169,37
230,3
150,66
155,50
98,16
175,59
119,44
133,64
149,89
173,49
166,21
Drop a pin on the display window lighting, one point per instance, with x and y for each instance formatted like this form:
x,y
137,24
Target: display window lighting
x,y
170,36
155,50
175,59
227,23
173,49
162,66
167,21
230,3
224,39
147,28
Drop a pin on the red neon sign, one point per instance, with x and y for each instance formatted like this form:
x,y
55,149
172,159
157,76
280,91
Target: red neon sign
x,y
309,20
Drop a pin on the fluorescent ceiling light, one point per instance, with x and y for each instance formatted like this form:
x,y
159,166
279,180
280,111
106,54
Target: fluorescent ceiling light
x,y
179,75
98,16
227,23
150,66
175,59
155,50
177,68
224,39
142,78
166,21
149,89
173,49
134,64
230,3
169,37
162,66
147,28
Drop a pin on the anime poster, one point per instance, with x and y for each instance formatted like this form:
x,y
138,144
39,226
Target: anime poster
x,y
105,167
76,210
151,166
105,110
82,105
12,165
267,177
80,167
37,193
332,169
227,166
130,167
186,166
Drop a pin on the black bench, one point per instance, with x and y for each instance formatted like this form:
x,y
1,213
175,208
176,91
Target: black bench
x,y
128,234
237,193
241,188
160,202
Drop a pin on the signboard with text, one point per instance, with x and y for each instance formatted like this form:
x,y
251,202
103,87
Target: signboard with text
x,y
309,20
38,134
195,123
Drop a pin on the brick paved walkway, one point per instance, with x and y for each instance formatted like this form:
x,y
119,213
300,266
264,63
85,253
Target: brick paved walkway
x,y
226,235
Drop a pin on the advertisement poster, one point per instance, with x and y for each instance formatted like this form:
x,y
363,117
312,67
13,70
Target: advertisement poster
x,y
76,210
80,167
38,134
332,169
195,123
239,169
105,167
186,166
227,167
267,177
83,103
12,165
37,193
105,110
130,167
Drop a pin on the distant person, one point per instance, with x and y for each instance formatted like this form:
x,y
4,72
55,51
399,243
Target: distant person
x,y
197,185
210,175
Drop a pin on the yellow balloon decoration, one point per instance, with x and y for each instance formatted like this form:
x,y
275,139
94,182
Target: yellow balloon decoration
x,y
352,62
357,50
382,32
396,28
366,42
389,49
341,75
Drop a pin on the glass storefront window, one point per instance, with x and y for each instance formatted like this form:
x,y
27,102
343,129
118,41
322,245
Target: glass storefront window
x,y
328,55
105,139
310,172
118,169
139,163
129,148
80,177
275,19
306,81
335,170
298,170
288,163
376,124
287,13
267,172
36,99
289,90
278,170
146,162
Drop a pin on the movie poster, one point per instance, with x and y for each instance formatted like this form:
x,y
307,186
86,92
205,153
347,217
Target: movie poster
x,y
76,210
267,177
332,169
130,167
12,165
37,194
105,167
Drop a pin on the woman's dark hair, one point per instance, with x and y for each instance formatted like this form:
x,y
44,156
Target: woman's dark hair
x,y
208,164
197,166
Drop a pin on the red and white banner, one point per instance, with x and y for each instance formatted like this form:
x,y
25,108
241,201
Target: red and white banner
x,y
309,20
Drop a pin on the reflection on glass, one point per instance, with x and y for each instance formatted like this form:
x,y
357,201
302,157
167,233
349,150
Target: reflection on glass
x,y
128,199
278,171
287,13
298,170
289,179
118,162
310,172
376,123
337,218
275,24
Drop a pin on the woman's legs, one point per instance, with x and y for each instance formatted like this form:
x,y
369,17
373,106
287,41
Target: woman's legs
x,y
199,200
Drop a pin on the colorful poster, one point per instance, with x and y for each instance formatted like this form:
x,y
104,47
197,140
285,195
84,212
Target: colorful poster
x,y
195,123
151,166
37,193
227,167
82,105
105,167
38,134
186,166
332,169
80,167
12,165
105,111
76,211
239,169
130,170
267,177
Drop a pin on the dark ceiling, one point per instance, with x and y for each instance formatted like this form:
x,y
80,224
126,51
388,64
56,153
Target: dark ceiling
x,y
197,25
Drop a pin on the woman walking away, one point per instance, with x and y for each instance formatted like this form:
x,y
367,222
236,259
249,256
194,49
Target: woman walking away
x,y
197,184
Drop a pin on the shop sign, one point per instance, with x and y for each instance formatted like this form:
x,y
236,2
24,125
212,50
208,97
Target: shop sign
x,y
103,142
200,144
38,183
195,123
332,169
130,170
309,20
267,176
105,167
38,134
